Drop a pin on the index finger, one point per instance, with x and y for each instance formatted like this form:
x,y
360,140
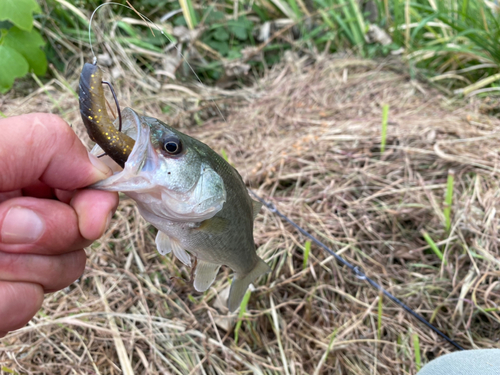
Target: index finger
x,y
42,146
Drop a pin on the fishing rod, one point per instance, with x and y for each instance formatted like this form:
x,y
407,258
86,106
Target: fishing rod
x,y
358,272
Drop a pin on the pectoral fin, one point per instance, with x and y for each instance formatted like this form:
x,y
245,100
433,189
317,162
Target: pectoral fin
x,y
204,275
214,225
163,244
166,244
180,253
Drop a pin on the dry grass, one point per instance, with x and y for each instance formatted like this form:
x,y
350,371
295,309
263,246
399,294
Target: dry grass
x,y
306,137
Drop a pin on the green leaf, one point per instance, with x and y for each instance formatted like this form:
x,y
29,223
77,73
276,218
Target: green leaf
x,y
234,54
19,12
12,65
221,47
180,21
221,34
6,25
239,32
28,44
213,16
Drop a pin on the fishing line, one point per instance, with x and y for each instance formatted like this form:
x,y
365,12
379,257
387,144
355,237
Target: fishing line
x,y
358,272
161,32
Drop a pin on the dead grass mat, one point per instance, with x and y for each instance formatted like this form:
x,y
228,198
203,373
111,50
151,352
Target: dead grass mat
x,y
306,137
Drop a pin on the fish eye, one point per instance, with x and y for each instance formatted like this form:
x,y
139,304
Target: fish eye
x,y
172,145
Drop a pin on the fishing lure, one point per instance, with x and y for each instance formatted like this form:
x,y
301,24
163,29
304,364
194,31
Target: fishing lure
x,y
95,117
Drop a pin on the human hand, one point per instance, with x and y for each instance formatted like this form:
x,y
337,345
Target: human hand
x,y
44,221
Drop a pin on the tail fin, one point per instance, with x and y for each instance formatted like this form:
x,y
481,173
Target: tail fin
x,y
240,284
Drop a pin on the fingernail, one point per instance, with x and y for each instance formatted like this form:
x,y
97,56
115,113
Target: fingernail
x,y
99,165
21,225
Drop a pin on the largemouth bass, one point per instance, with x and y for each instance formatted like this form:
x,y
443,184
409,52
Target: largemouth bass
x,y
196,200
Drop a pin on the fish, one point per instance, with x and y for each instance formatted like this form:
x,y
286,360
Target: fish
x,y
193,196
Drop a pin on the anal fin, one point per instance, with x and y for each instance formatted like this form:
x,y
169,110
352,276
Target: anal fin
x,y
204,275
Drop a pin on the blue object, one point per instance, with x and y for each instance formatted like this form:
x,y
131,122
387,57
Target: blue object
x,y
467,362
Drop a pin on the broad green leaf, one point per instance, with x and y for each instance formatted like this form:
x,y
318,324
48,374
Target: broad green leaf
x,y
244,22
221,34
28,44
19,12
12,66
221,47
239,32
234,54
213,16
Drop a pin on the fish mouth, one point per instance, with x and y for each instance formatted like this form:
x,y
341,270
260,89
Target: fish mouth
x,y
142,158
144,180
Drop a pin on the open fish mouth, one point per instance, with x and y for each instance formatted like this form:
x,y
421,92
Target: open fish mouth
x,y
142,158
146,178
181,188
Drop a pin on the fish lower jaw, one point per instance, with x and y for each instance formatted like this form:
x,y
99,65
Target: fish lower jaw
x,y
173,228
156,209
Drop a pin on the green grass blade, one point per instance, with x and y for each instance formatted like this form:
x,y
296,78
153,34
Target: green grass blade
x,y
385,117
284,8
188,12
416,352
352,17
8,370
465,5
341,23
224,154
359,19
433,246
317,371
243,309
296,9
307,250
448,200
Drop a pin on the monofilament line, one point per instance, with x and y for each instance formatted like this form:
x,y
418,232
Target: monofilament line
x,y
161,32
360,274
